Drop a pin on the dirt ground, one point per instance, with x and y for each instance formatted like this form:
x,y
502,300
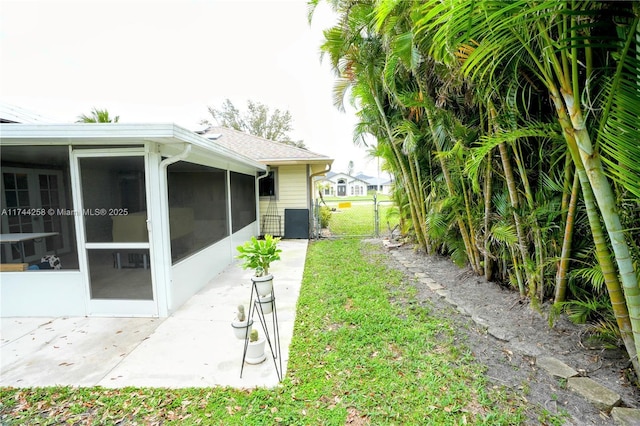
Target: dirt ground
x,y
508,335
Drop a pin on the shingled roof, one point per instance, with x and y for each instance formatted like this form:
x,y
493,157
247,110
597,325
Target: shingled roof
x,y
263,150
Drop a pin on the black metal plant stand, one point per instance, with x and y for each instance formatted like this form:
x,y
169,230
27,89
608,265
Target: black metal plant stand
x,y
274,345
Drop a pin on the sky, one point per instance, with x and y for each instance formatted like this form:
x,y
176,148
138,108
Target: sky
x,y
151,61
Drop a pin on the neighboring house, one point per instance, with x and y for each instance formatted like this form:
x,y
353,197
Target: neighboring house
x,y
287,191
343,185
380,185
141,216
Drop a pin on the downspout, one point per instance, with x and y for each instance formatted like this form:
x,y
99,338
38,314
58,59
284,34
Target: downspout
x,y
178,157
311,176
164,223
259,178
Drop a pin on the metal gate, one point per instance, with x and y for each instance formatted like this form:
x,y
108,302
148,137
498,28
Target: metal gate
x,y
355,217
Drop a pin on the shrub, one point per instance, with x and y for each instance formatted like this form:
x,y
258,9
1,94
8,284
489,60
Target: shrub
x,y
325,216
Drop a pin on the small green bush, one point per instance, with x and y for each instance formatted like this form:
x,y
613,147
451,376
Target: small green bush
x,y
325,216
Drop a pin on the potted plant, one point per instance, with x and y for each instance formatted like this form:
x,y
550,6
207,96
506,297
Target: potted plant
x,y
266,303
255,348
241,326
258,255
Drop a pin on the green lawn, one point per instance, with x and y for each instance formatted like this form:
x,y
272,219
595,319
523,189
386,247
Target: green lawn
x,y
358,219
362,349
369,197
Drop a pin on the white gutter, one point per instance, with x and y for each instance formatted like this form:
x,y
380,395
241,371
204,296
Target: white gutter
x,y
175,158
164,223
311,176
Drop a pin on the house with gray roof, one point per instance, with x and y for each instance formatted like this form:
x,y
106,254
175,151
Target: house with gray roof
x,y
345,185
382,185
288,190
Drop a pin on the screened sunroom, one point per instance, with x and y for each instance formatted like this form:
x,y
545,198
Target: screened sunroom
x,y
117,219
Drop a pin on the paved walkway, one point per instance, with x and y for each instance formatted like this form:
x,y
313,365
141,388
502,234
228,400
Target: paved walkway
x,y
194,347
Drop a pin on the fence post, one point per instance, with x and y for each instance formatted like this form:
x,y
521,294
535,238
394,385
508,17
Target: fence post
x,y
376,217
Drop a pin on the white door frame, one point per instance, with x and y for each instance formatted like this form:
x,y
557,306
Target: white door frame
x,y
111,307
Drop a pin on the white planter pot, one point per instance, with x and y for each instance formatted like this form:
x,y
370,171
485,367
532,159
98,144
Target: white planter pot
x,y
266,303
255,352
241,329
264,284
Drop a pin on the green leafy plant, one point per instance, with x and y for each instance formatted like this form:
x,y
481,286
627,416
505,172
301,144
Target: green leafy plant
x,y
325,216
259,254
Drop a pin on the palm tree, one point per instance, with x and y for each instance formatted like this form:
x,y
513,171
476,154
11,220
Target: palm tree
x,y
357,55
560,45
455,87
97,116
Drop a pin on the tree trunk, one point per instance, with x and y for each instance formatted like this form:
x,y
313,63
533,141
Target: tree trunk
x,y
417,223
462,227
619,299
488,192
513,197
563,267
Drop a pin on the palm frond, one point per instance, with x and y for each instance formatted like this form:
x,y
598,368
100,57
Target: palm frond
x,y
592,275
340,88
551,184
504,233
619,137
488,142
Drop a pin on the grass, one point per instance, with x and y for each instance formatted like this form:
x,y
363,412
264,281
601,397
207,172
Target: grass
x,y
363,351
358,220
368,197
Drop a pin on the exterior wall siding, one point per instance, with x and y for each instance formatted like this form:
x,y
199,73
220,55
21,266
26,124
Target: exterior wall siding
x,y
292,192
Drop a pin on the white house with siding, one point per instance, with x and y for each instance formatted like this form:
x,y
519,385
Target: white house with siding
x,y
382,185
343,185
287,191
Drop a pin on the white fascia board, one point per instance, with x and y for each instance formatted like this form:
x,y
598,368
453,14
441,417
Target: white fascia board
x,y
297,161
103,132
114,133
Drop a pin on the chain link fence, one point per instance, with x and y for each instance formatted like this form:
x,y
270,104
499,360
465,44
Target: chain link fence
x,y
355,217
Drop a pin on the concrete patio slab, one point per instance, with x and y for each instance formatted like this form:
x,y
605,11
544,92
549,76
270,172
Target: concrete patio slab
x,y
194,347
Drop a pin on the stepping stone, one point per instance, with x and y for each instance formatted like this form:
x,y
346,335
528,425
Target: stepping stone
x,y
480,321
426,279
450,301
431,283
556,367
500,334
442,293
625,416
463,311
420,275
388,244
603,398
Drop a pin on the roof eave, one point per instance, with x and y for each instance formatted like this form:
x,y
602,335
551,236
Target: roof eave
x,y
296,161
115,133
